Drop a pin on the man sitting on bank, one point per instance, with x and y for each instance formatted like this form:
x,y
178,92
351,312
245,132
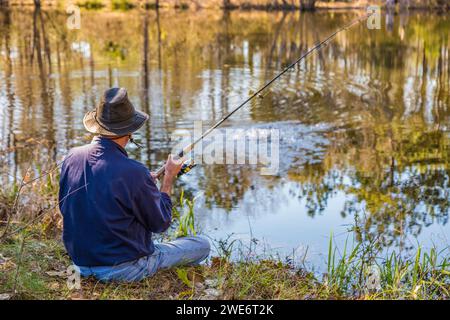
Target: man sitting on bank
x,y
111,204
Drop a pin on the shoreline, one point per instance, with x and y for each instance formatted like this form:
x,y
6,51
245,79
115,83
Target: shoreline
x,y
243,10
125,5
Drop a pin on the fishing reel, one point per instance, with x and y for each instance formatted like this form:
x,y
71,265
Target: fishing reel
x,y
186,167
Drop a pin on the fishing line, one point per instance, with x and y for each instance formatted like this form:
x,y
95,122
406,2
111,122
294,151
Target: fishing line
x,y
323,43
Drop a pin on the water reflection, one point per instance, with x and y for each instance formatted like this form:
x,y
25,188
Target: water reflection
x,y
363,124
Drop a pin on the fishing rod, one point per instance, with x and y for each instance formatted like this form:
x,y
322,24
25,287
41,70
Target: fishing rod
x,y
188,166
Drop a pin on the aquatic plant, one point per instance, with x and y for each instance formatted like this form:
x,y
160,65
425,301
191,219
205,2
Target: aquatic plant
x,y
183,213
419,276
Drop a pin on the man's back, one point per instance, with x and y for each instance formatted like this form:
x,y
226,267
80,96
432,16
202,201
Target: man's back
x,y
110,205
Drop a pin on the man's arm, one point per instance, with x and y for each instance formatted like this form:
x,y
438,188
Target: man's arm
x,y
153,207
166,185
171,169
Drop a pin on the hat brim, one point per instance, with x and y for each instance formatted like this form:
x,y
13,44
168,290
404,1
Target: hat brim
x,y
114,130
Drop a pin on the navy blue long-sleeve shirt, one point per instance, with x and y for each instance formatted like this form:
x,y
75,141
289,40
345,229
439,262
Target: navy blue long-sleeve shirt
x,y
110,205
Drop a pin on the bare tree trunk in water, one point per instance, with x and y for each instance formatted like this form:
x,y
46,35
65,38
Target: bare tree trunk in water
x,y
46,43
47,85
158,29
274,44
404,4
390,4
145,99
226,4
307,5
9,89
443,4
37,42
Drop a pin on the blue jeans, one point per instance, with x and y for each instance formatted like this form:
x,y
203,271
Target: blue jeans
x,y
182,251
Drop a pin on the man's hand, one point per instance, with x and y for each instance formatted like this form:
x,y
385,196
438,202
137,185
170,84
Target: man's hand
x,y
171,169
172,166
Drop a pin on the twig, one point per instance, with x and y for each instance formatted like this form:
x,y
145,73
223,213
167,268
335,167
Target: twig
x,y
44,174
19,263
22,185
16,201
44,212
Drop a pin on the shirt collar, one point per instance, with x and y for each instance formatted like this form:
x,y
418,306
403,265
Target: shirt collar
x,y
108,143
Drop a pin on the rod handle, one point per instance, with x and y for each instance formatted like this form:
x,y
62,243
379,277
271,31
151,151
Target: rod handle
x,y
161,170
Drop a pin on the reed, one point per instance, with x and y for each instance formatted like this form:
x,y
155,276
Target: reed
x,y
183,215
421,275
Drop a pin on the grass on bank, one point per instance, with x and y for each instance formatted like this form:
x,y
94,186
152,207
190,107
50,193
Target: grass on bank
x,y
361,271
33,266
33,261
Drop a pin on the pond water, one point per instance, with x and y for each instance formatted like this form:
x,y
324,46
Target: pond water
x,y
363,125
